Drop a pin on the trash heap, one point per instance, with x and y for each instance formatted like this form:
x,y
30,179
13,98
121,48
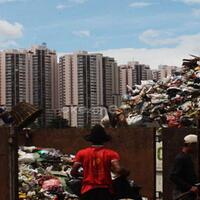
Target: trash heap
x,y
170,102
44,174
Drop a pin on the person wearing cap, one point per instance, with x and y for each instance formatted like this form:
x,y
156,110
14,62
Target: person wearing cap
x,y
97,162
183,172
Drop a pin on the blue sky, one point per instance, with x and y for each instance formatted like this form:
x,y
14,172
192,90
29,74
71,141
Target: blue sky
x,y
151,31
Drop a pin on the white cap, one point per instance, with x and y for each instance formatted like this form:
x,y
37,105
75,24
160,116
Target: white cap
x,y
191,138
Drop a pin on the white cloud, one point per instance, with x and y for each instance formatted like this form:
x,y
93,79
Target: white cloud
x,y
61,7
196,12
187,45
8,44
189,1
9,33
8,30
157,38
69,4
10,1
99,43
78,1
6,1
139,4
82,33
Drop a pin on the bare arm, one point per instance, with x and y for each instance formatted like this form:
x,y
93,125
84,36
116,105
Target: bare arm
x,y
118,170
74,172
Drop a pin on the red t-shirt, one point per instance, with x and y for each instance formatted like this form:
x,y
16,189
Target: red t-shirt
x,y
96,163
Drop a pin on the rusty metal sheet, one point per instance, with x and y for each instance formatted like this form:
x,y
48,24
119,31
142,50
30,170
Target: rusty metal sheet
x,y
137,148
4,163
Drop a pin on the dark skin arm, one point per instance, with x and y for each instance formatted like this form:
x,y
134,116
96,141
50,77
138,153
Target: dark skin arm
x,y
118,170
74,172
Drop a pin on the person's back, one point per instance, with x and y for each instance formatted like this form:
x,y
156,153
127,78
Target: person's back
x,y
96,162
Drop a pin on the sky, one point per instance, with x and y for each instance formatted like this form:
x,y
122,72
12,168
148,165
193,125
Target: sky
x,y
154,32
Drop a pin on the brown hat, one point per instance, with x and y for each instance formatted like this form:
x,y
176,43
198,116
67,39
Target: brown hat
x,y
98,135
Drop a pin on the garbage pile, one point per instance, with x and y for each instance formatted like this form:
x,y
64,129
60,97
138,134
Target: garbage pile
x,y
44,174
170,102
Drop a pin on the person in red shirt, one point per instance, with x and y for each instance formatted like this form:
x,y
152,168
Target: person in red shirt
x,y
98,162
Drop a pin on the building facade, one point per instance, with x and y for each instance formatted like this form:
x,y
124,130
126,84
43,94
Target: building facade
x,y
30,75
44,82
13,69
87,83
68,90
111,82
167,71
132,74
140,72
126,78
155,75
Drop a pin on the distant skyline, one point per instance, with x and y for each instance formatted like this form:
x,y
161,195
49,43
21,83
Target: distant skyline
x,y
152,32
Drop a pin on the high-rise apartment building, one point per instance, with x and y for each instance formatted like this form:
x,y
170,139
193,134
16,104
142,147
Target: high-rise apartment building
x,y
111,82
13,79
86,84
126,78
31,76
132,74
90,88
140,72
155,75
167,71
68,88
44,82
149,74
